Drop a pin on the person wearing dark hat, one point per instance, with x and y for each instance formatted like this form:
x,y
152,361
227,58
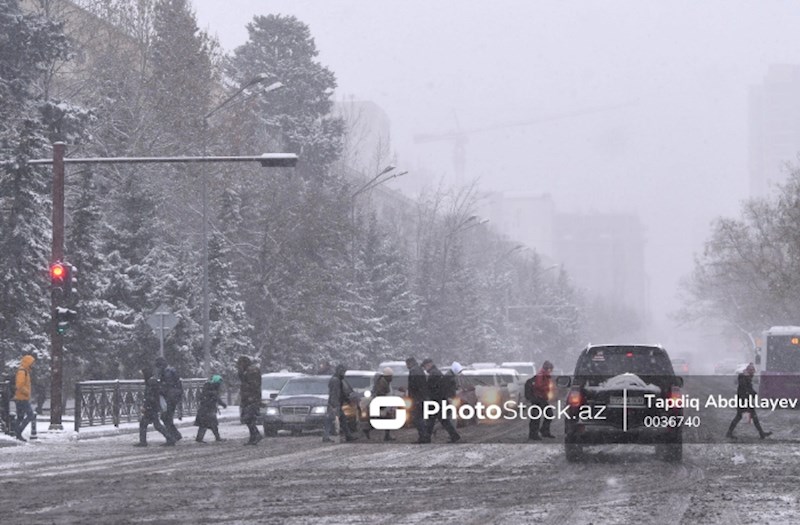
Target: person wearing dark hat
x,y
207,410
249,396
538,390
440,388
172,392
339,392
418,392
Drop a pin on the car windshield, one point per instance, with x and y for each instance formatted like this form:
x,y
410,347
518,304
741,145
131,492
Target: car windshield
x,y
486,380
506,379
272,382
611,361
359,382
308,387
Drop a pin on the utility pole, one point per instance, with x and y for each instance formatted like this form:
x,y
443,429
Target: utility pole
x,y
57,255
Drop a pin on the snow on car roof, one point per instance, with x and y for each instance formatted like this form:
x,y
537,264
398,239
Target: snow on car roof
x,y
783,330
484,371
366,373
626,380
516,363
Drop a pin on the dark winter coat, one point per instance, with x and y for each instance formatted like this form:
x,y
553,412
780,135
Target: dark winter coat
x,y
382,387
152,395
417,384
745,388
250,389
440,387
171,386
207,408
339,392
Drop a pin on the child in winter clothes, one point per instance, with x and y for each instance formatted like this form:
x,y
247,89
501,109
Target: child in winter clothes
x,y
207,411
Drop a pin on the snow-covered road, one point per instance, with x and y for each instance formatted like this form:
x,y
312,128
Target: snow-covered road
x,y
302,480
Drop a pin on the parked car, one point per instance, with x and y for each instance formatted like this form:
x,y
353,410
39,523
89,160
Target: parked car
x,y
302,405
272,383
398,367
495,386
612,381
465,395
525,369
482,366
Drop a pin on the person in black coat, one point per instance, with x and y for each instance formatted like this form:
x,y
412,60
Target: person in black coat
x,y
151,409
339,394
207,410
745,394
418,392
440,388
250,396
172,392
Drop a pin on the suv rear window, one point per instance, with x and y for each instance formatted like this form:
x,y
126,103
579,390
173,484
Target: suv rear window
x,y
609,361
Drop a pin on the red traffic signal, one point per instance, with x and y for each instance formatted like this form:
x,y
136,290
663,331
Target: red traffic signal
x,y
58,273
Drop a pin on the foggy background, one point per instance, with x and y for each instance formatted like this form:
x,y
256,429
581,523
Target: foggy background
x,y
672,148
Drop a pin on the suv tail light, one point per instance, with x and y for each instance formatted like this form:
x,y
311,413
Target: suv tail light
x,y
675,393
575,398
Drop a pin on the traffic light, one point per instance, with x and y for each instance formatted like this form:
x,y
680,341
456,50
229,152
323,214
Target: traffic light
x,y
62,279
59,274
63,318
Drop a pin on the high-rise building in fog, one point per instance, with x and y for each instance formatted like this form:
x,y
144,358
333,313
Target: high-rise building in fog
x,y
774,127
604,255
527,218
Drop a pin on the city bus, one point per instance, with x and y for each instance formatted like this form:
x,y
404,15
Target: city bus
x,y
779,362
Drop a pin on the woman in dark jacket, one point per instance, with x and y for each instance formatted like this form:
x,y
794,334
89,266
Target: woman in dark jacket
x,y
207,410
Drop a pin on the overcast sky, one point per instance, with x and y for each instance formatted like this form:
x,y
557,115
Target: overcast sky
x,y
674,149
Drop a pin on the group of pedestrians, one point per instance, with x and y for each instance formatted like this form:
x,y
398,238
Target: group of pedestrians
x,y
163,393
427,383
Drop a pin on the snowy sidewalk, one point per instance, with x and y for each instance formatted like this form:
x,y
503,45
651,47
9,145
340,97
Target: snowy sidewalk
x,y
43,435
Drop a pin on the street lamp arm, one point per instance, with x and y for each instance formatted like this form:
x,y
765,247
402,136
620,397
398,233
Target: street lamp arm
x,y
256,80
374,182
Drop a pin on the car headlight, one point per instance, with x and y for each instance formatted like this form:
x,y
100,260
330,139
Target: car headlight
x,y
272,411
319,410
367,394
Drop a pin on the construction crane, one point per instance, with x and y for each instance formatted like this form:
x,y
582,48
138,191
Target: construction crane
x,y
459,136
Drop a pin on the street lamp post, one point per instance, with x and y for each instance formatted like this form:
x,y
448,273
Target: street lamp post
x,y
206,301
369,185
473,221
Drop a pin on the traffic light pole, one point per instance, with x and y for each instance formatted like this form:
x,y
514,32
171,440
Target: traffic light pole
x,y
57,339
267,160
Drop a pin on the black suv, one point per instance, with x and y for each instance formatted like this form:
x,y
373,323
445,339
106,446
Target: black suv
x,y
609,397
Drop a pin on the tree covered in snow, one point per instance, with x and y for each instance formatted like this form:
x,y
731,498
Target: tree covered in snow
x,y
31,45
746,275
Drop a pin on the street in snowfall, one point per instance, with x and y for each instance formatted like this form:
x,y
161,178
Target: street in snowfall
x,y
318,225
493,476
